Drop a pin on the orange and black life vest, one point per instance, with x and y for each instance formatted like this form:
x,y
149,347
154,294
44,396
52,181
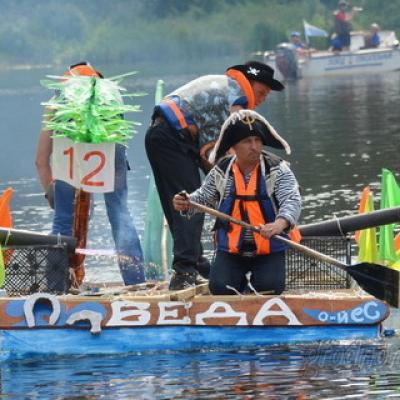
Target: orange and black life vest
x,y
249,203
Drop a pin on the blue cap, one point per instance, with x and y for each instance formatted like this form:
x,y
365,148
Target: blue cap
x,y
295,33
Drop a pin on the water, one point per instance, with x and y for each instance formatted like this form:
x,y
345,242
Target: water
x,y
342,133
350,371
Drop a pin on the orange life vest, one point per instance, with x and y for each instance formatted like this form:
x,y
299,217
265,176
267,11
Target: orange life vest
x,y
249,203
248,210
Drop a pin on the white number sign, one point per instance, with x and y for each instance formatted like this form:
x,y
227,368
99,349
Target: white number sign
x,y
90,166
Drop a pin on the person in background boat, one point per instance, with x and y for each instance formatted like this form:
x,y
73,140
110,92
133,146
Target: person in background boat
x,y
183,130
61,197
254,186
302,49
297,43
343,24
372,40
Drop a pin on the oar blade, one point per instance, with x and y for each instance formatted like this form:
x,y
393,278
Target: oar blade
x,y
379,281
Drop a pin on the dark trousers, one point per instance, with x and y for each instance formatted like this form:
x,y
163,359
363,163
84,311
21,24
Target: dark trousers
x,y
267,273
173,158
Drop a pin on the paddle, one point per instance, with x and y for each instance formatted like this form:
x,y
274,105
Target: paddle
x,y
380,281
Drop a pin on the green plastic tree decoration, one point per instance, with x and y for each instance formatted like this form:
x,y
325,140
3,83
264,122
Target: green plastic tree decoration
x,y
89,109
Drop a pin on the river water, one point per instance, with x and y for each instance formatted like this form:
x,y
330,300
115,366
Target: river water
x,y
342,131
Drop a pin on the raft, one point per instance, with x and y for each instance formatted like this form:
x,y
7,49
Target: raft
x,y
149,318
41,315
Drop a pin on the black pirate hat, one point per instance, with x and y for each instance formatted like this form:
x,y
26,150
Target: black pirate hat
x,y
242,124
259,72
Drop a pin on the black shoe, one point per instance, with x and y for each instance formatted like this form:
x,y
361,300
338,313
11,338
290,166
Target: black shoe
x,y
203,267
182,280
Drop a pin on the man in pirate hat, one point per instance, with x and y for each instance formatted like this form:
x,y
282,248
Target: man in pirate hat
x,y
184,129
254,186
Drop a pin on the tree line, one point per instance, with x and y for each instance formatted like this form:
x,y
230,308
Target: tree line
x,y
56,31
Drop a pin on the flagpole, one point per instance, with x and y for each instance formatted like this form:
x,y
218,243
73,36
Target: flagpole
x,y
305,32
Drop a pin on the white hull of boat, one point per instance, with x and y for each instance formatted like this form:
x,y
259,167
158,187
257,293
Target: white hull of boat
x,y
326,63
348,63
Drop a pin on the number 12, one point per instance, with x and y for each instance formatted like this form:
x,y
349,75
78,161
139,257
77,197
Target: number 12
x,y
86,180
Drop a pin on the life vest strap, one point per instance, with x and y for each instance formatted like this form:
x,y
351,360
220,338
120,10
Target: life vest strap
x,y
245,85
178,113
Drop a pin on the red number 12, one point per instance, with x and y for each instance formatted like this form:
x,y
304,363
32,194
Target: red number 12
x,y
86,179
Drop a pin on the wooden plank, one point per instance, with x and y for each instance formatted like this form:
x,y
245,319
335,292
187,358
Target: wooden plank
x,y
186,294
193,309
150,299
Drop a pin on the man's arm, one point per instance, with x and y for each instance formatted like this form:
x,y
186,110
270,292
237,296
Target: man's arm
x,y
289,200
207,194
42,160
288,195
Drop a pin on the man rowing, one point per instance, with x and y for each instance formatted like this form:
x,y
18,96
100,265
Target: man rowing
x,y
254,186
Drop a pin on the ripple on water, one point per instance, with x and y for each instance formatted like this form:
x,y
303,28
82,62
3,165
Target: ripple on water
x,y
326,371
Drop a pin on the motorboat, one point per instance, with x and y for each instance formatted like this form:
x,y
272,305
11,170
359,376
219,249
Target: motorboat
x,y
292,63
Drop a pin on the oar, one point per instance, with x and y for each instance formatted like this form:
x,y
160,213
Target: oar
x,y
351,223
21,238
18,237
380,281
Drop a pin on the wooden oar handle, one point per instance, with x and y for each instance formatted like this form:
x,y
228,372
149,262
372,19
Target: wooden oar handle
x,y
310,252
291,243
226,217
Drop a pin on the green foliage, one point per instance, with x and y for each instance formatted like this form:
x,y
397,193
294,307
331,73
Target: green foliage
x,y
58,31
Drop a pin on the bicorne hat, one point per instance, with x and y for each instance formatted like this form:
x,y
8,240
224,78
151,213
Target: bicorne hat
x,y
260,72
242,124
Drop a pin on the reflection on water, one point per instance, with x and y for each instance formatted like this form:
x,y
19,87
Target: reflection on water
x,y
354,371
342,133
